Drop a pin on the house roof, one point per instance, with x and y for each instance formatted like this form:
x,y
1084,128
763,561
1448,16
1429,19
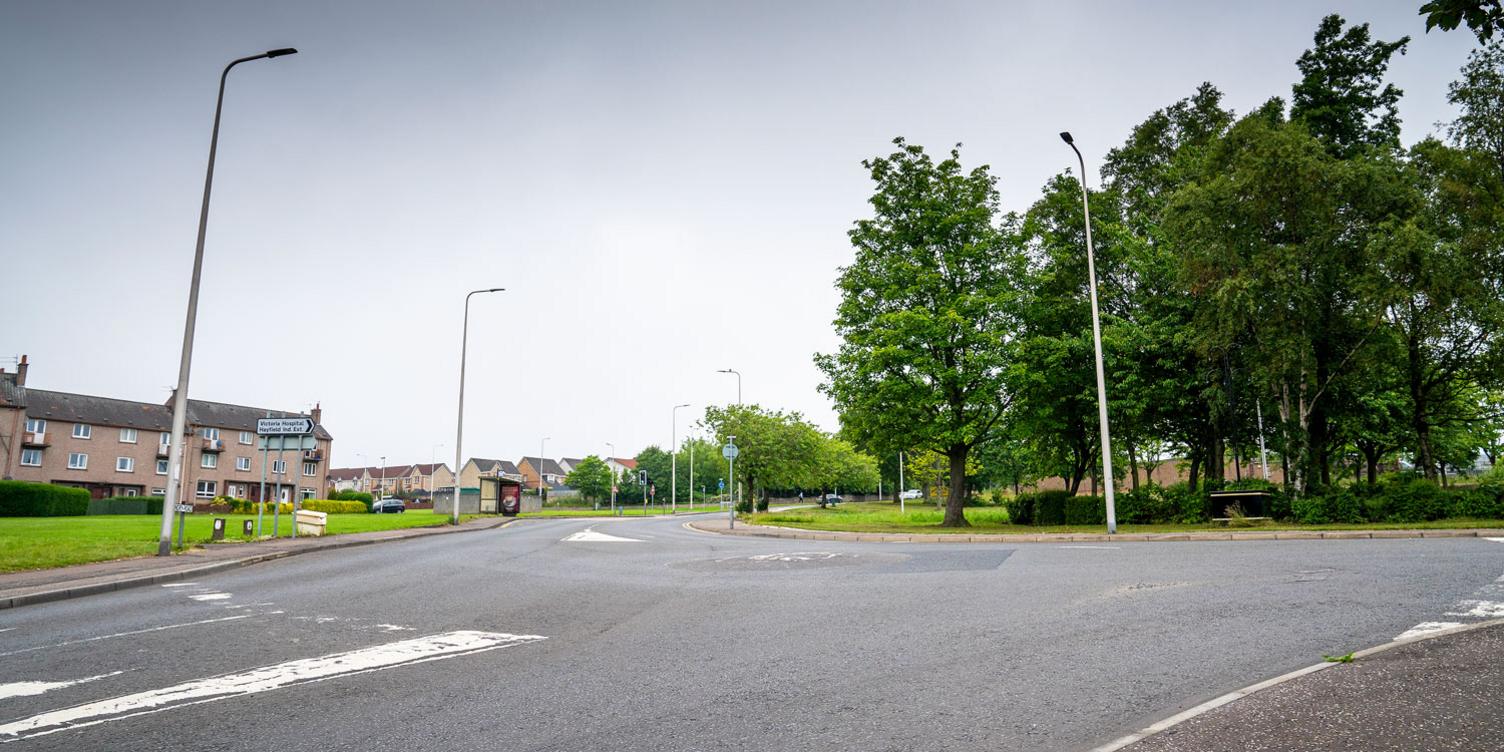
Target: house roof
x,y
549,467
626,462
107,411
428,468
346,473
504,467
12,394
572,462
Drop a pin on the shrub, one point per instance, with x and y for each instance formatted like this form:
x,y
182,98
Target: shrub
x,y
335,507
1189,506
1145,505
1309,510
1086,510
1020,509
1484,502
1414,500
22,499
1049,507
126,505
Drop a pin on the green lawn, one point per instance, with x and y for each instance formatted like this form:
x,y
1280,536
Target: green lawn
x,y
628,510
43,542
884,517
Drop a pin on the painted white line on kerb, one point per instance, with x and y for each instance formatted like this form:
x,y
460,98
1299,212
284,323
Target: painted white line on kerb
x,y
128,634
1496,540
31,688
377,658
1427,627
1479,609
589,535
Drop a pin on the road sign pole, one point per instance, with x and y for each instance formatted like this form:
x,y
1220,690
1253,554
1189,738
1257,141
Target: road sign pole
x,y
261,497
277,510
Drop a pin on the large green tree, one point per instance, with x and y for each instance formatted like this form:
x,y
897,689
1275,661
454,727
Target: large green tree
x,y
1341,97
927,315
592,477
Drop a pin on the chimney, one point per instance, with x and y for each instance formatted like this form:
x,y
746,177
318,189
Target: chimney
x,y
317,413
21,371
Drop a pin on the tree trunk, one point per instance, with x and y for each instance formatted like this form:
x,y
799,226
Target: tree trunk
x,y
955,506
1133,466
1419,420
1195,476
1216,461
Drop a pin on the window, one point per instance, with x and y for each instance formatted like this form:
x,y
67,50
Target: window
x,y
209,433
165,439
206,489
246,437
161,467
125,465
82,430
159,492
279,467
31,457
305,493
127,435
243,463
310,469
209,461
78,461
36,425
130,492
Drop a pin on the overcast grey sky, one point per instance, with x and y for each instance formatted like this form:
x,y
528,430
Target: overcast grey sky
x,y
664,188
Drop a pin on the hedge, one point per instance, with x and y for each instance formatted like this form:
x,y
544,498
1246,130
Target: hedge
x,y
126,505
360,496
22,499
335,506
245,506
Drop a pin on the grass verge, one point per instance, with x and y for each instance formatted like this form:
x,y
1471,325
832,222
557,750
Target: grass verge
x,y
45,542
884,517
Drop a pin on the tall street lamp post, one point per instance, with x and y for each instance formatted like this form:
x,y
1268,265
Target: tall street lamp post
x,y
673,462
541,445
1096,336
611,457
433,469
180,396
459,421
735,492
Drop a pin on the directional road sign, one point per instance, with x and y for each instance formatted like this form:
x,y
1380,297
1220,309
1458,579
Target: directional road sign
x,y
284,426
730,451
184,508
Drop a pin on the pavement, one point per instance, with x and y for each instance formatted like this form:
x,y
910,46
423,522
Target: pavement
x,y
1442,693
642,634
40,586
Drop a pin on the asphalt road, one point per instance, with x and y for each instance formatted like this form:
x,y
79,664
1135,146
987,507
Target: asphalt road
x,y
687,641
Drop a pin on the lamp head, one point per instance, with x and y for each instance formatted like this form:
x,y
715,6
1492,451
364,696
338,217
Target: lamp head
x,y
281,52
1066,137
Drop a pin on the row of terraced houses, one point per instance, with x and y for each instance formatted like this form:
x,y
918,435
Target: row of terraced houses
x,y
116,447
423,479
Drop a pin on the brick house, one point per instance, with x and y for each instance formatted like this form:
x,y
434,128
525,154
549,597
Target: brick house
x,y
476,468
114,447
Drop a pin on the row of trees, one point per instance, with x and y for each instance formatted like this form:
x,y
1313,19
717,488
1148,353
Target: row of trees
x,y
781,454
1293,274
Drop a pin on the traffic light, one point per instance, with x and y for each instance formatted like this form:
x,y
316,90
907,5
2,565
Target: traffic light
x,y
642,477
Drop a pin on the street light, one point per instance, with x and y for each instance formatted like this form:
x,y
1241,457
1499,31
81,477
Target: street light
x,y
180,396
611,457
459,421
541,445
735,492
673,462
433,470
382,487
1096,335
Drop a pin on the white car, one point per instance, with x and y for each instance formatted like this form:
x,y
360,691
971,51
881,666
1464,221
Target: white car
x,y
912,493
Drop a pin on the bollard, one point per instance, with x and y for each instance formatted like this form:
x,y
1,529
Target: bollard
x,y
219,529
249,529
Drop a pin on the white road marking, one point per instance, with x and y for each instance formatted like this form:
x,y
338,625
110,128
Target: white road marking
x,y
393,628
377,658
179,584
210,597
1496,540
128,634
6,629
1094,548
800,556
30,688
589,535
1479,609
1427,627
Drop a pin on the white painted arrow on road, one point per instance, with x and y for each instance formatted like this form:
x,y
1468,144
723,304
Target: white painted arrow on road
x,y
588,535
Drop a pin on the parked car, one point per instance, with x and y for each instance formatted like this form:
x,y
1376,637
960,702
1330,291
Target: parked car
x,y
912,493
388,505
830,500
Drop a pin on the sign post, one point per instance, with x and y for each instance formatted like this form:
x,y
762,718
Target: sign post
x,y
282,429
729,452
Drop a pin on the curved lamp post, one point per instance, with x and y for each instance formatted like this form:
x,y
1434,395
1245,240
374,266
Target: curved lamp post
x,y
176,477
459,421
1096,336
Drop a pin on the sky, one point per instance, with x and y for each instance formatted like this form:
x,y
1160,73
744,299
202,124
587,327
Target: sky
x,y
663,188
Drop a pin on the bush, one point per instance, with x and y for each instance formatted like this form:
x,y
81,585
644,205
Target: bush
x,y
1086,510
1309,510
1484,502
246,506
1189,507
126,505
360,496
335,507
1145,505
1416,500
1049,507
1020,509
22,499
